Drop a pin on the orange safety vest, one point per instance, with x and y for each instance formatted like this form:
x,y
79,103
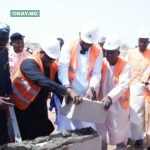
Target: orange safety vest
x,y
124,98
138,65
53,69
94,53
24,91
147,96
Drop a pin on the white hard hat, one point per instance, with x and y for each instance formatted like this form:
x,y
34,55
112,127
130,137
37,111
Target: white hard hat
x,y
89,33
102,39
112,42
51,47
144,34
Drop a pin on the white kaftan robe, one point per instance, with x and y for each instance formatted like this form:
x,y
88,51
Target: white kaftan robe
x,y
116,128
80,83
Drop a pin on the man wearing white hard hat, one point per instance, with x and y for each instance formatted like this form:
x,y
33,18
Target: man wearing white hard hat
x,y
80,68
114,94
31,86
139,61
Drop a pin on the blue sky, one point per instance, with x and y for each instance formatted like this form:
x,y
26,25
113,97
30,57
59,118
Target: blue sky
x,y
63,18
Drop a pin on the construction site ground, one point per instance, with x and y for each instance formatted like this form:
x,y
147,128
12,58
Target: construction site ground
x,y
52,118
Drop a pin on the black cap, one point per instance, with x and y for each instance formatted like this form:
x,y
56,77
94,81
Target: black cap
x,y
16,36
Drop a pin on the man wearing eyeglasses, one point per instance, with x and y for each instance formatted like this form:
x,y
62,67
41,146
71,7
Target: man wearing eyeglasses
x,y
80,68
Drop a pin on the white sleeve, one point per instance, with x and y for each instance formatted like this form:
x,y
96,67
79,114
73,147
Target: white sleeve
x,y
64,64
122,86
96,73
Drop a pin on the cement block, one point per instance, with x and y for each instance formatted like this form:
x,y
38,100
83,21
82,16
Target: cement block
x,y
87,110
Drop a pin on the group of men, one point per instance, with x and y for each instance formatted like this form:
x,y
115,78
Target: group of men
x,y
30,83
85,69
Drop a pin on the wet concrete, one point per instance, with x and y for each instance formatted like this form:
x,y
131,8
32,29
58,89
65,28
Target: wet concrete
x,y
57,141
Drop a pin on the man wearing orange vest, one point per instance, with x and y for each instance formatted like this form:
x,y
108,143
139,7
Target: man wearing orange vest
x,y
114,94
80,67
139,61
31,85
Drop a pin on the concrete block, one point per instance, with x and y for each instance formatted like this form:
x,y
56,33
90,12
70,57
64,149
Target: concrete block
x,y
87,110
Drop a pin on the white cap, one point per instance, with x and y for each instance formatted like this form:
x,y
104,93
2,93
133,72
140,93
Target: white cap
x,y
112,42
51,47
144,34
102,39
89,32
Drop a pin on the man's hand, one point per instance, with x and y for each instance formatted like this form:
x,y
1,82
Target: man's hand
x,y
5,103
107,102
91,94
73,96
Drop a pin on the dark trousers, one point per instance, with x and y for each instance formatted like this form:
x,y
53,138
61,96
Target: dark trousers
x,y
33,123
3,128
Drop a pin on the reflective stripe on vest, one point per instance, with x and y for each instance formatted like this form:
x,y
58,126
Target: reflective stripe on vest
x,y
124,98
71,69
94,53
26,86
24,91
19,95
